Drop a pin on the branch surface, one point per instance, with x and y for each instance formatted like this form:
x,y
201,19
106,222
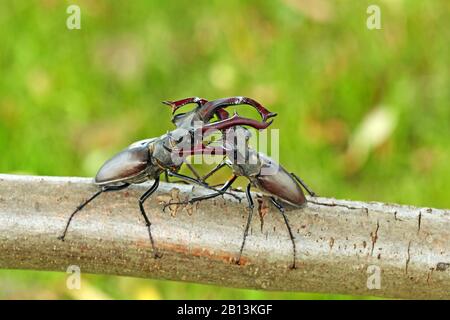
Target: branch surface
x,y
340,244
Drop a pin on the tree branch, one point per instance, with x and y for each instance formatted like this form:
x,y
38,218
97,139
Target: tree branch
x,y
338,241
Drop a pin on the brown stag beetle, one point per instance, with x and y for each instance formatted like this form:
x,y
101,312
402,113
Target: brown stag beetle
x,y
148,159
262,172
205,110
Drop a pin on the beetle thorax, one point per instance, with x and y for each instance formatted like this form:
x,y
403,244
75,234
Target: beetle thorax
x,y
248,165
162,157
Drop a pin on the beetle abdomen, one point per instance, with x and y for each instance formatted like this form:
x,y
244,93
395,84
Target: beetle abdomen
x,y
279,183
125,166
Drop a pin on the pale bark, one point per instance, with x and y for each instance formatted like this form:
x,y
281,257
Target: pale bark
x,y
338,241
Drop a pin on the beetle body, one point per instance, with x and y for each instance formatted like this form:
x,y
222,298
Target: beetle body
x,y
149,158
278,183
128,166
264,173
139,162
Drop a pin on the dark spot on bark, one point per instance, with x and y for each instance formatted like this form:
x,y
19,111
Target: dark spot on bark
x,y
419,222
374,236
395,217
442,266
408,258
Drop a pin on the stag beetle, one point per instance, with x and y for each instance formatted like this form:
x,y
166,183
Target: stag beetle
x,y
149,158
275,182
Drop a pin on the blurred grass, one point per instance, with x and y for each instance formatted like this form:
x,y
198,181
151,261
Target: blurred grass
x,y
69,99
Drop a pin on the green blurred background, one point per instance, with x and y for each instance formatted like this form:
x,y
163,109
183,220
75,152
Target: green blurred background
x,y
363,114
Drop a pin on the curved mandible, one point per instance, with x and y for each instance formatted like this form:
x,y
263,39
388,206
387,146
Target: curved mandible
x,y
176,104
235,120
207,110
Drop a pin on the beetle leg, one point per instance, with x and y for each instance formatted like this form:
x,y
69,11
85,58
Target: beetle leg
x,y
201,183
214,170
219,192
208,109
199,149
142,199
179,103
251,206
167,180
166,177
187,178
286,221
194,172
231,189
303,184
81,206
